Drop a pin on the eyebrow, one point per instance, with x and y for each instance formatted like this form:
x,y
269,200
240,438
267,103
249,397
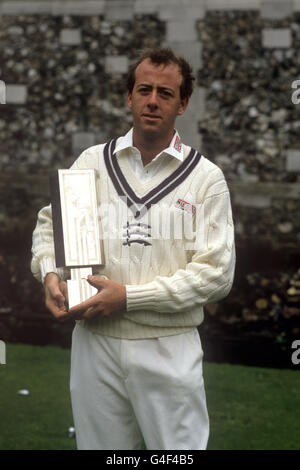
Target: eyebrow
x,y
161,87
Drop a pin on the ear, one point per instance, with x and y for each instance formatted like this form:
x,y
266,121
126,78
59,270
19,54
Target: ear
x,y
183,106
129,99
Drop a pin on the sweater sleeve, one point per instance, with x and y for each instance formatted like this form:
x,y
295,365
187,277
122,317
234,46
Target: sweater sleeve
x,y
209,275
43,254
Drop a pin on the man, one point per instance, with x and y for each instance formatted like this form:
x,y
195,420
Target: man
x,y
136,368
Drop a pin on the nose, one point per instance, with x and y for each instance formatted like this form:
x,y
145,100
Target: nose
x,y
152,100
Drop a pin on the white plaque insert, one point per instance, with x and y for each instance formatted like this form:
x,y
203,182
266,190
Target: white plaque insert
x,y
76,227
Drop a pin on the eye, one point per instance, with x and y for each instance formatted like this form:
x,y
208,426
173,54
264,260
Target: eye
x,y
165,93
144,90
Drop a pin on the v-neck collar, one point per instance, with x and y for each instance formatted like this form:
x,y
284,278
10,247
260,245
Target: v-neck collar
x,y
140,204
141,188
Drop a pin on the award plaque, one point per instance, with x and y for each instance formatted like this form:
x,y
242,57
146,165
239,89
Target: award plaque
x,y
76,229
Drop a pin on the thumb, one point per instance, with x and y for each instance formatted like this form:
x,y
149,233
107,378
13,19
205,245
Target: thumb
x,y
96,281
64,290
60,298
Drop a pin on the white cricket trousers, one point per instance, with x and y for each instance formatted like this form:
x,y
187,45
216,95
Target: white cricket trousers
x,y
126,391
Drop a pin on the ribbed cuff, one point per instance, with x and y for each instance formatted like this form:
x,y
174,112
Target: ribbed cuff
x,y
144,297
47,265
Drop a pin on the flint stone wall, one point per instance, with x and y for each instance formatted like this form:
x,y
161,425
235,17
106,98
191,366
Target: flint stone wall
x,y
64,69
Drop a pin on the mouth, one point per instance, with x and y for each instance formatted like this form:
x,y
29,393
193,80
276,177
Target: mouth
x,y
151,117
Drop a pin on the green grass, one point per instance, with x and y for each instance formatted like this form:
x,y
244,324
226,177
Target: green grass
x,y
253,408
249,407
41,419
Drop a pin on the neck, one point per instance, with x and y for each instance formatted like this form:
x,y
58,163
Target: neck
x,y
150,145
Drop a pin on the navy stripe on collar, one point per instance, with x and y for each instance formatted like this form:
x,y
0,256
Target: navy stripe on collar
x,y
156,194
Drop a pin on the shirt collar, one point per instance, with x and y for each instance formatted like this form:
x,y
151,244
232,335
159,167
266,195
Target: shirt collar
x,y
175,148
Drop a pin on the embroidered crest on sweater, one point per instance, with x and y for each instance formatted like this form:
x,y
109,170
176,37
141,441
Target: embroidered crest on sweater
x,y
137,233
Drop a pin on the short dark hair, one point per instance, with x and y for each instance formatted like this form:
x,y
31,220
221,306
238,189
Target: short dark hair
x,y
164,55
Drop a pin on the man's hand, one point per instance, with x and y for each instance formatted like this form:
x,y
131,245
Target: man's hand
x,y
110,299
56,295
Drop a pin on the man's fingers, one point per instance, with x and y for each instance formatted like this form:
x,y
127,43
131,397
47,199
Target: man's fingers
x,y
60,313
89,313
83,306
55,301
84,314
56,296
55,309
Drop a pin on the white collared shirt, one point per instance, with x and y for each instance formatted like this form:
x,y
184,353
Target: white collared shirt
x,y
145,173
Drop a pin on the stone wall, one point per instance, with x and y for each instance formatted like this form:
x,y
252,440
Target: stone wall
x,y
62,88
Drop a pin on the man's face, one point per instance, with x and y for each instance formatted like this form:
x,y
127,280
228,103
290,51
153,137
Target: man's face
x,y
155,99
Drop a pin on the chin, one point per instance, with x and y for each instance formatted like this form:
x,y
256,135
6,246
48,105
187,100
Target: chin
x,y
151,131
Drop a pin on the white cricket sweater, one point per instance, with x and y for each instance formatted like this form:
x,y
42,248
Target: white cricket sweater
x,y
170,240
